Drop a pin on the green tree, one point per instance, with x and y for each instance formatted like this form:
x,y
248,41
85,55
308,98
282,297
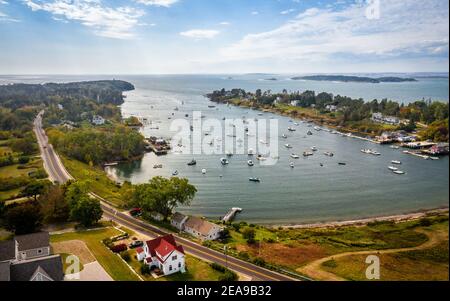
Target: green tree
x,y
248,234
163,195
33,189
24,219
54,204
86,211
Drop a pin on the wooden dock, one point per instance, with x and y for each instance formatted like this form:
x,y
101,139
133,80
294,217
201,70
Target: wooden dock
x,y
231,214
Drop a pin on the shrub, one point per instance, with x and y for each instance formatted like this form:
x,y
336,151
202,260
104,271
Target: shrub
x,y
119,248
218,267
228,276
24,159
259,261
145,269
244,255
330,263
248,233
425,222
125,256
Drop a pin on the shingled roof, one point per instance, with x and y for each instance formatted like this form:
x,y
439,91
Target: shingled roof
x,y
7,250
25,270
33,241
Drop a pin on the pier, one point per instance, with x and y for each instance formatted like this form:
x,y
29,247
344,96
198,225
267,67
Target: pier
x,y
231,214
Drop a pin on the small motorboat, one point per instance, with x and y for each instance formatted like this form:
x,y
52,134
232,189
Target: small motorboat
x,y
254,180
399,172
321,164
250,163
317,128
288,145
434,158
203,171
291,129
314,149
392,168
329,154
284,136
192,163
175,173
261,158
307,154
292,165
224,161
395,146
229,154
309,133
294,156
375,153
396,162
342,163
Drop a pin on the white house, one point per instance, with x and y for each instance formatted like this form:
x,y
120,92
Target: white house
x,y
178,220
202,229
331,108
164,254
294,103
98,120
378,117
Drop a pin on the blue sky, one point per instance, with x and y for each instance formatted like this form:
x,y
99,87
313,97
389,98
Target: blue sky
x,y
222,36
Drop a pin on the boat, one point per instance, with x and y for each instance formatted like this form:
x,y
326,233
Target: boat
x,y
203,171
399,172
396,162
395,146
294,156
261,158
309,133
307,154
175,173
229,154
329,154
292,165
434,158
224,161
291,129
254,180
392,168
250,152
317,128
262,141
192,163
314,149
375,153
296,123
284,136
211,106
288,145
342,163
250,163
366,151
321,164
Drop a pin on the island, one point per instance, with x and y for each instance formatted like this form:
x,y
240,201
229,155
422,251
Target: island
x,y
356,79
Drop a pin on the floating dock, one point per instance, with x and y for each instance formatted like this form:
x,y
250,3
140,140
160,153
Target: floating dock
x,y
231,214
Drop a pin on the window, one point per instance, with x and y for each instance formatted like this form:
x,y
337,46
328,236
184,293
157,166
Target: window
x,y
170,267
179,264
39,251
174,257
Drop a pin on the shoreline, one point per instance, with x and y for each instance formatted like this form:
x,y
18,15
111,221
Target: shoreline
x,y
364,221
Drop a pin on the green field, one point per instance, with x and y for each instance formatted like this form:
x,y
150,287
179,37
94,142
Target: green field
x,y
112,264
97,180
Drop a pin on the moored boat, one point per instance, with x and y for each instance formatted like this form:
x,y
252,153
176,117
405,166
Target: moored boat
x,y
295,156
192,163
254,180
250,163
224,161
396,162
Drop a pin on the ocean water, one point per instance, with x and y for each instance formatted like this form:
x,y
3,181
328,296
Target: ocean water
x,y
307,193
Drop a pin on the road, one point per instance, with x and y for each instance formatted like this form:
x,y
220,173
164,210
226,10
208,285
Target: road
x,y
58,173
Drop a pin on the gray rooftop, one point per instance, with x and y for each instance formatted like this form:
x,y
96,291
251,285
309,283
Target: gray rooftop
x,y
4,271
33,241
7,250
24,270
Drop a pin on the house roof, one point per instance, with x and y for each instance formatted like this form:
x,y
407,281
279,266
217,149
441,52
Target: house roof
x,y
4,271
33,241
139,250
178,217
199,225
163,246
25,270
7,250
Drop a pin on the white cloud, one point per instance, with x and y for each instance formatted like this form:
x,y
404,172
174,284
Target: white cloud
x,y
200,34
225,23
110,22
165,3
405,27
255,13
288,11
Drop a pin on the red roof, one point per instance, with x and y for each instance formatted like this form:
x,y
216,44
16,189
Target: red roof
x,y
163,246
139,250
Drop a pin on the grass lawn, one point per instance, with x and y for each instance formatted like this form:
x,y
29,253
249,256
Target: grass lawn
x,y
9,194
96,178
419,265
5,150
112,264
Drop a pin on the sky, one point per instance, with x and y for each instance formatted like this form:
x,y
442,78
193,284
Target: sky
x,y
223,36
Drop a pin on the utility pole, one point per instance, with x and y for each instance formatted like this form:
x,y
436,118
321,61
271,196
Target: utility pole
x,y
226,257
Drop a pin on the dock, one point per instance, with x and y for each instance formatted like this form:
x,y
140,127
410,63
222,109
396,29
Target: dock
x,y
417,154
231,214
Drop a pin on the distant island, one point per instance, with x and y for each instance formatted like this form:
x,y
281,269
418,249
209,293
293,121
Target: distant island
x,y
356,79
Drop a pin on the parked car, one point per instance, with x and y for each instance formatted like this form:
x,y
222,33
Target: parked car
x,y
136,244
119,248
136,212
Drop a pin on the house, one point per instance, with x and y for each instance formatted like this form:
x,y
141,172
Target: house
x,y
202,229
27,258
98,120
196,226
178,220
439,149
164,254
331,108
378,117
294,103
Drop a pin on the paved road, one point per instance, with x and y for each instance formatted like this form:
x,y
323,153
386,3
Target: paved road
x,y
58,173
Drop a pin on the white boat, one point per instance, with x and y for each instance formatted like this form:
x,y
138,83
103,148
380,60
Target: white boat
x,y
294,156
175,173
224,161
399,172
261,158
284,136
317,128
262,141
288,145
375,153
329,154
307,154
434,158
296,123
396,162
203,171
254,180
395,146
314,149
392,168
292,165
250,152
250,163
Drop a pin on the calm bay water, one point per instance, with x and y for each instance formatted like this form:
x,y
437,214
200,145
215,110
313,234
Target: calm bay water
x,y
307,193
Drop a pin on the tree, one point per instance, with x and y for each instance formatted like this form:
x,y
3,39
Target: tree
x,y
33,189
163,195
54,205
249,234
26,145
86,211
24,219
